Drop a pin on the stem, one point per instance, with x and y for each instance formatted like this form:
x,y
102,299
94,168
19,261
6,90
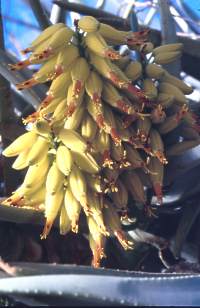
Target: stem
x,y
40,14
57,14
134,28
79,8
168,32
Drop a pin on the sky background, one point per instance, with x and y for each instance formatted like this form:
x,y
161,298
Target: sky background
x,y
21,27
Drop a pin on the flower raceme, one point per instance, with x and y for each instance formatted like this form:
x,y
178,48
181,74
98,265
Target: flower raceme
x,y
97,136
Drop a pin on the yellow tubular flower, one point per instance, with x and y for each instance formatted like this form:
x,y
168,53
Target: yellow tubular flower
x,y
100,138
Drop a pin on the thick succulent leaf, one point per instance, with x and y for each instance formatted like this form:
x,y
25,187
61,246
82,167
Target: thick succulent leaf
x,y
119,287
190,213
189,251
179,165
20,215
35,269
183,187
182,178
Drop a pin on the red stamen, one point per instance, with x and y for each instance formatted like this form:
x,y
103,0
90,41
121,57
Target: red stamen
x,y
83,202
46,230
161,157
122,239
31,118
142,136
123,106
107,161
100,121
115,136
98,254
46,101
138,93
20,65
25,51
181,113
74,225
44,54
124,163
13,200
137,38
95,260
27,84
116,80
112,54
70,109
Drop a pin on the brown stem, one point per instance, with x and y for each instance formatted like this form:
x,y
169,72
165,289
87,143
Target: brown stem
x,y
83,9
40,14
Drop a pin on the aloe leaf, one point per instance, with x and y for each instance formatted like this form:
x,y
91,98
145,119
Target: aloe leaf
x,y
95,289
20,215
190,213
184,186
185,162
